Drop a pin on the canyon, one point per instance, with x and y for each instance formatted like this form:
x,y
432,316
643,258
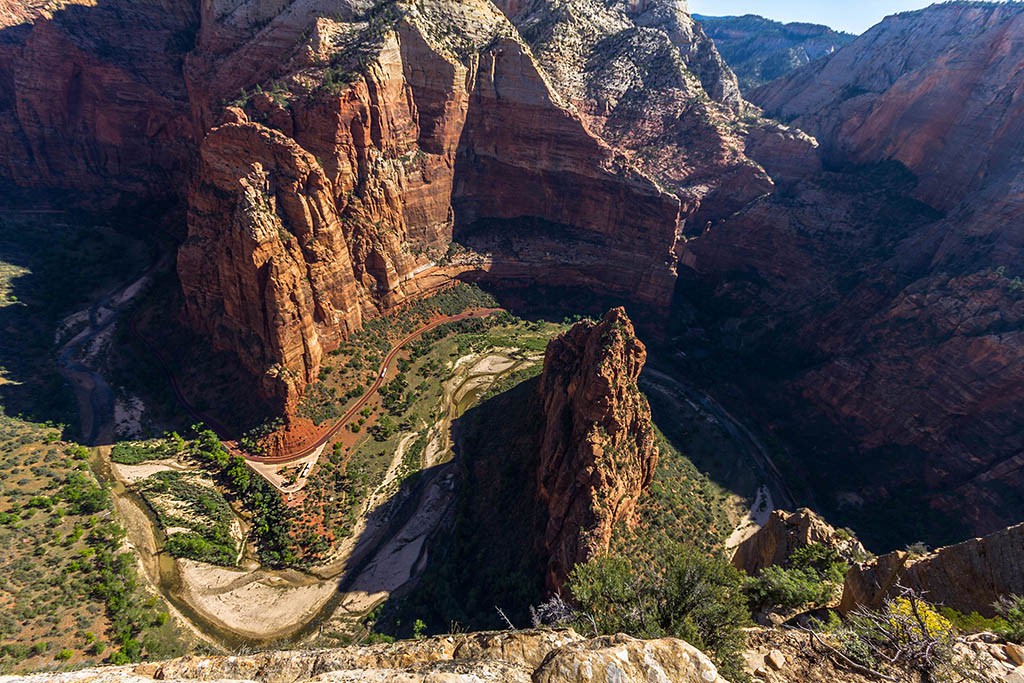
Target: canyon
x,y
367,138
836,252
896,268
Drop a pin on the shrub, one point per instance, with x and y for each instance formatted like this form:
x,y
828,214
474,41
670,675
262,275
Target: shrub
x,y
823,560
1011,609
683,594
809,577
907,635
787,588
973,622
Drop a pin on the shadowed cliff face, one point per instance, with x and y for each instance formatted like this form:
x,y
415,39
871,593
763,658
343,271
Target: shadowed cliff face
x,y
92,97
598,450
901,294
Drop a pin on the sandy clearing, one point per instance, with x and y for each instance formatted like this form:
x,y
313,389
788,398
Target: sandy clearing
x,y
396,562
492,364
760,511
272,472
132,474
128,414
261,605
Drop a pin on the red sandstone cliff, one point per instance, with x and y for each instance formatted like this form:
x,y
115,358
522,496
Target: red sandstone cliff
x,y
329,152
427,123
92,96
891,296
597,451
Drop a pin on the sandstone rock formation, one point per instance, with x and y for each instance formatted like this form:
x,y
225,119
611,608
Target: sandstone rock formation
x,y
92,97
898,298
760,50
787,531
384,130
520,657
431,123
598,450
969,576
932,89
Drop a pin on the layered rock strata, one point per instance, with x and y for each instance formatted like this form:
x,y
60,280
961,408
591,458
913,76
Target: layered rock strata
x,y
969,577
902,295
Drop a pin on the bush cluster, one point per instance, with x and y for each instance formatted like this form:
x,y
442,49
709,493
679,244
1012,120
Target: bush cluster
x,y
684,594
810,577
270,517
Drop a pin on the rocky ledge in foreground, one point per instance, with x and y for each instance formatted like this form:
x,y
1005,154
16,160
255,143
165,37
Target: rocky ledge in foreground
x,y
969,577
513,657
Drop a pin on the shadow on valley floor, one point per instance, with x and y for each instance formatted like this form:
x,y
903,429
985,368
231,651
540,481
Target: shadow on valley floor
x,y
180,379
881,494
484,555
53,263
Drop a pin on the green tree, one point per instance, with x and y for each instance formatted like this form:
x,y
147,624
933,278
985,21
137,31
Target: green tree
x,y
683,594
810,577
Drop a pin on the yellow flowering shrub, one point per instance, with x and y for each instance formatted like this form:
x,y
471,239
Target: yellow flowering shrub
x,y
934,624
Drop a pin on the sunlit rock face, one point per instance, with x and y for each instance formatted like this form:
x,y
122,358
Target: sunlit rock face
x,y
598,450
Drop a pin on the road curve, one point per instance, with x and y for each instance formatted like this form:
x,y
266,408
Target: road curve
x,y
739,433
286,458
374,388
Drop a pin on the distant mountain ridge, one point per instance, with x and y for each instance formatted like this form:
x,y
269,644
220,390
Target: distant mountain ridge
x,y
759,50
921,354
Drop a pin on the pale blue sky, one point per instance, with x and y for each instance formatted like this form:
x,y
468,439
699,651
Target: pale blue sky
x,y
856,16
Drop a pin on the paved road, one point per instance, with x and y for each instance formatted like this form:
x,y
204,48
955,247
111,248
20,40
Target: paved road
x,y
738,433
377,384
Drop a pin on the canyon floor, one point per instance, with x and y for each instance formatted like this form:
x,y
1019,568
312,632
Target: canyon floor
x,y
407,483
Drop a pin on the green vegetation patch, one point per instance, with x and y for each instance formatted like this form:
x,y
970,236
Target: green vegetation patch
x,y
679,592
69,595
196,516
271,521
681,503
811,577
135,452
